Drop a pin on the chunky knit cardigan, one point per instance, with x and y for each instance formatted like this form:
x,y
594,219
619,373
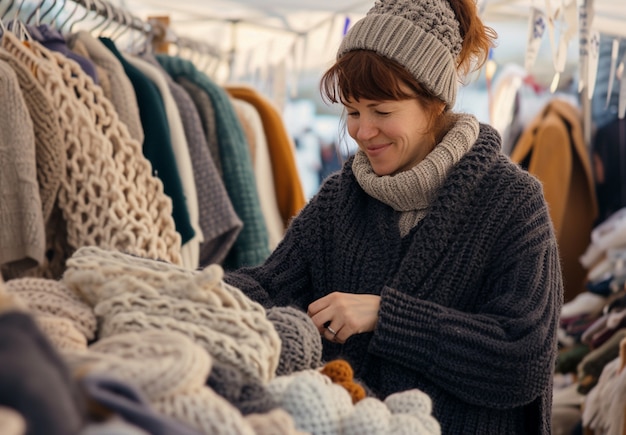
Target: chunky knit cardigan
x,y
470,298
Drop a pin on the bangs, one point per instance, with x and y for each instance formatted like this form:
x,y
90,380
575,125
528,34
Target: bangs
x,y
364,74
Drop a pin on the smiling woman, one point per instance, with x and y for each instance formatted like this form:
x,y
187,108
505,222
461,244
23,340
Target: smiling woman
x,y
429,261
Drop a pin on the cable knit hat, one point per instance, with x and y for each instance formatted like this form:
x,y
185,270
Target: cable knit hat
x,y
423,36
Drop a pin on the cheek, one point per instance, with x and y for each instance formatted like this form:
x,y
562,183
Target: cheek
x,y
352,126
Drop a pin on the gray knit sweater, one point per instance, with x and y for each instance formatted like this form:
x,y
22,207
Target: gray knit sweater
x,y
470,297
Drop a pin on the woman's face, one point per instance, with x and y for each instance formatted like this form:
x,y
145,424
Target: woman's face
x,y
391,133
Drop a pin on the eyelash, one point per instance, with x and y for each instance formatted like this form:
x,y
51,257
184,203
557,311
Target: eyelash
x,y
353,114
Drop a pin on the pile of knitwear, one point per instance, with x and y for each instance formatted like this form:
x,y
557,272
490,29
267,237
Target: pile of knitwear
x,y
203,354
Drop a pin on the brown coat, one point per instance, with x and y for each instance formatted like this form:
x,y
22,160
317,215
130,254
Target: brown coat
x,y
552,147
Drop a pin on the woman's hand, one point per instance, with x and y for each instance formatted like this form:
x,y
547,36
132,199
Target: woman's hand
x,y
338,316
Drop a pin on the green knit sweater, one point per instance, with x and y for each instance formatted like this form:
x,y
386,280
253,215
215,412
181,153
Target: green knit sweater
x,y
470,297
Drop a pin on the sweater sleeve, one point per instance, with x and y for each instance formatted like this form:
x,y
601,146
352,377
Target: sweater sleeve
x,y
502,354
285,277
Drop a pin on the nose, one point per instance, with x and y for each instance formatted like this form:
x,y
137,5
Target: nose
x,y
367,128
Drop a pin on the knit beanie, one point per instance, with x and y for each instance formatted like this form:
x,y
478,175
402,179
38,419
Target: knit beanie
x,y
301,343
423,36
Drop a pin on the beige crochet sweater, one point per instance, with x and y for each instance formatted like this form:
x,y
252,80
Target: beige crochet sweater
x,y
108,195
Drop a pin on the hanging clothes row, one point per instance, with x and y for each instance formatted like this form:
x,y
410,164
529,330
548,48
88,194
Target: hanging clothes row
x,y
107,143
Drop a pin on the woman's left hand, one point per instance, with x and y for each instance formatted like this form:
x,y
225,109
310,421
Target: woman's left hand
x,y
338,315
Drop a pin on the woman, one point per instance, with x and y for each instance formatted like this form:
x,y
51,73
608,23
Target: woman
x,y
429,261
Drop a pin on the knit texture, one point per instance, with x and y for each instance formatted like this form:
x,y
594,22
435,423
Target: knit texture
x,y
217,218
53,298
248,394
123,96
108,195
22,234
412,191
319,406
341,373
50,158
263,171
301,343
423,36
251,247
49,148
132,294
203,105
489,217
173,381
289,191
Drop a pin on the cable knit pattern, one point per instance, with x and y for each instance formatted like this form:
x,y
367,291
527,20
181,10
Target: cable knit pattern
x,y
108,196
481,344
130,293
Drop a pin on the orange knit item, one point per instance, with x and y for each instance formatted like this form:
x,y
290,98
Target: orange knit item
x,y
341,373
289,191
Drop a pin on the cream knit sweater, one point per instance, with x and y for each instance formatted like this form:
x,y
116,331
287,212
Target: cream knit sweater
x,y
108,195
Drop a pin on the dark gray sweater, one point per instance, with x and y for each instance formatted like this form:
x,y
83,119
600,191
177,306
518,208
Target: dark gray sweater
x,y
470,298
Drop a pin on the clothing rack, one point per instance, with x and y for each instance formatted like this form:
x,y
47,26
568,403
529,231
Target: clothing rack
x,y
104,17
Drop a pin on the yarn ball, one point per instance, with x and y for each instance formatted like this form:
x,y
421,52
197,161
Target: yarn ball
x,y
301,343
340,372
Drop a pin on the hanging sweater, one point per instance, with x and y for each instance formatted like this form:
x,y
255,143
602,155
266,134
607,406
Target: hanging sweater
x,y
251,246
470,297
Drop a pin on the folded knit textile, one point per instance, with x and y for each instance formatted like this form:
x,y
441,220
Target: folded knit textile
x,y
66,319
170,370
321,407
248,395
131,294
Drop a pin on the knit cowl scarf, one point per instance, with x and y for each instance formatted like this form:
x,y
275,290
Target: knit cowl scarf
x,y
411,192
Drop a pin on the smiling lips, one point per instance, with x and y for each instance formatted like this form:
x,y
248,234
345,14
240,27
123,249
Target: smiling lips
x,y
375,150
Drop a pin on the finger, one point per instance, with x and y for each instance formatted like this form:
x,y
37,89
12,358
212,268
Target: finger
x,y
321,319
319,305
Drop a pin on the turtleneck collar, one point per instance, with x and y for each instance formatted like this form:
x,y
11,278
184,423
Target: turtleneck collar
x,y
415,188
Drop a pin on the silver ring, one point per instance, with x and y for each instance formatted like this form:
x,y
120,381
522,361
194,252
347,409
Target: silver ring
x,y
331,330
